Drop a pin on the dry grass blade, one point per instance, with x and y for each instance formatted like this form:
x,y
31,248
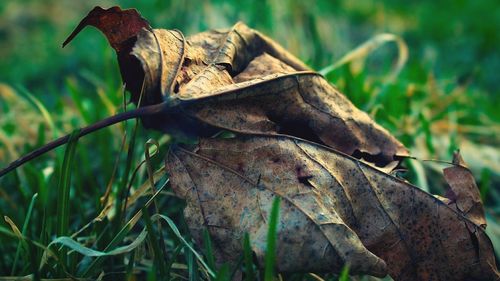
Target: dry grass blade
x,y
365,49
23,233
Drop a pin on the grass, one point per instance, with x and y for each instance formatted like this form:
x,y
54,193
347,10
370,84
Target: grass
x,y
445,97
272,237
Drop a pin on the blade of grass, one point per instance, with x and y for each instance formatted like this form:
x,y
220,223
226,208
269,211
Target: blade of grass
x,y
209,252
104,198
272,235
192,266
123,191
159,258
130,267
3,261
176,231
120,235
33,261
43,110
223,273
64,186
79,248
247,252
63,191
124,181
236,268
23,232
110,107
78,99
485,183
425,124
344,274
175,253
365,49
151,174
493,231
159,174
16,232
314,277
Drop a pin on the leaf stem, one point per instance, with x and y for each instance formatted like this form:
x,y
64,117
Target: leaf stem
x,y
139,112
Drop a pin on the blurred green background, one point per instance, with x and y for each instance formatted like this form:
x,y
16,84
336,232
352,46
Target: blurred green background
x,y
445,98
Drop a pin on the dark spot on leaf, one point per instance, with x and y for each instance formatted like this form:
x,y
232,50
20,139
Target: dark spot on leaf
x,y
297,128
380,160
176,87
305,180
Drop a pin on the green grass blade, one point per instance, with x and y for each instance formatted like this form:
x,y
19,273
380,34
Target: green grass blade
x,y
223,274
175,254
33,261
63,190
485,183
23,232
236,268
344,274
120,236
177,233
247,253
272,235
43,110
158,258
192,266
15,233
209,252
148,154
112,245
122,192
64,186
130,267
79,248
78,99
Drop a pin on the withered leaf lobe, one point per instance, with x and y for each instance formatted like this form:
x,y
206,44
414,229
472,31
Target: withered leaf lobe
x,y
248,90
465,193
118,25
345,206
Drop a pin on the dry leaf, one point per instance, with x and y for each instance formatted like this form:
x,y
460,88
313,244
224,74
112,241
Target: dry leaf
x,y
335,210
242,81
464,194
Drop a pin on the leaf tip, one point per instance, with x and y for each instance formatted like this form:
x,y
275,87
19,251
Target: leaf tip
x,y
117,25
458,160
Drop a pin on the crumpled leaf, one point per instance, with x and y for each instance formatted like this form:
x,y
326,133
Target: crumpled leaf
x,y
464,194
242,81
335,210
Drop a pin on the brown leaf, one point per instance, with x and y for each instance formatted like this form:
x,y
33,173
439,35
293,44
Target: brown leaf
x,y
270,97
335,210
465,198
238,80
250,84
118,25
